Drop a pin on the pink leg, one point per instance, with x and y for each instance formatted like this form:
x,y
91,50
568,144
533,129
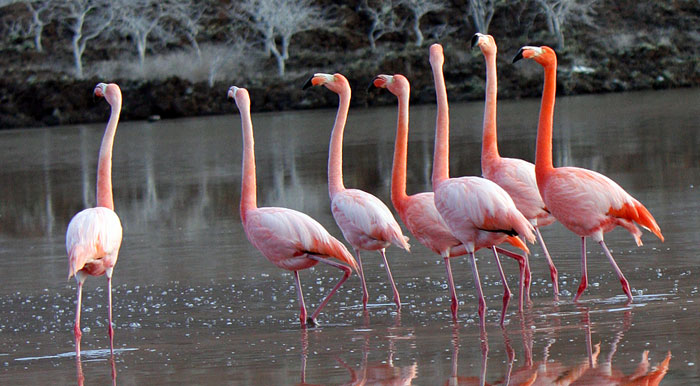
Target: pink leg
x,y
365,294
79,370
397,299
618,271
110,329
527,279
506,291
552,269
302,306
451,284
584,271
523,271
479,292
76,329
346,274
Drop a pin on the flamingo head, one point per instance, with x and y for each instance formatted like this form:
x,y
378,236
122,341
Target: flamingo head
x,y
396,84
335,82
240,95
437,57
542,55
485,42
111,92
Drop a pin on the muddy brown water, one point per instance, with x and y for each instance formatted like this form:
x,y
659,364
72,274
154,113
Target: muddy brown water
x,y
195,303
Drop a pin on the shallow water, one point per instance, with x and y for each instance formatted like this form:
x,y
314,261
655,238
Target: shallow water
x,y
195,303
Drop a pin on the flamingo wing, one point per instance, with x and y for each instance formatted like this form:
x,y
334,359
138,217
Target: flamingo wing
x,y
517,178
94,234
358,211
286,236
480,204
424,221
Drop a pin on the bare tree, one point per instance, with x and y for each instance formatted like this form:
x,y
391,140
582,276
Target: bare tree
x,y
383,19
189,15
42,14
280,20
144,21
234,53
86,20
559,12
420,8
481,13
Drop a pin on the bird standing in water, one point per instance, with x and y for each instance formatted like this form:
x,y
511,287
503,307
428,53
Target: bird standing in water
x,y
287,238
515,176
587,203
94,235
366,222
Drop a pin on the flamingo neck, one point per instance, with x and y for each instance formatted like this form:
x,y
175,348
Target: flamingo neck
x,y
335,152
543,153
489,142
104,163
248,181
398,173
441,153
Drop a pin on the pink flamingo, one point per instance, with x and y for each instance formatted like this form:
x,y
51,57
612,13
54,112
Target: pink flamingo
x,y
94,235
587,203
478,212
418,211
365,221
515,176
287,238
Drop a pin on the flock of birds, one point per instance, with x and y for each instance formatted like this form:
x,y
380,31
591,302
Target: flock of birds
x,y
512,200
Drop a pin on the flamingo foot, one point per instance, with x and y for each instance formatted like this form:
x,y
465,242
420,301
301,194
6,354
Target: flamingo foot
x,y
581,288
626,289
312,322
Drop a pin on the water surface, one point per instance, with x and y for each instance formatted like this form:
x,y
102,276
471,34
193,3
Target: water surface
x,y
195,303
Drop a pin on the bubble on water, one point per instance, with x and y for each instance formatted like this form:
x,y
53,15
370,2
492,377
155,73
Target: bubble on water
x,y
134,325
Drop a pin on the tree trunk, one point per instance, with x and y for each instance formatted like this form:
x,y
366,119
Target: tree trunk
x,y
77,57
37,38
417,31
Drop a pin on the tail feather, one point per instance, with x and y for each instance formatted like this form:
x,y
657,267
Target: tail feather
x,y
646,220
518,243
341,253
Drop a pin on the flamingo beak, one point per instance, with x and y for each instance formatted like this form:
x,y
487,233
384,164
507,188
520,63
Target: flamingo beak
x,y
309,83
475,39
518,56
232,92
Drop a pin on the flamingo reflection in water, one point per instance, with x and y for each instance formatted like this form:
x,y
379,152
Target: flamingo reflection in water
x,y
588,371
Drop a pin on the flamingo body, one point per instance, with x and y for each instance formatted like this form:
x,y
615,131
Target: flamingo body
x,y
365,221
425,223
479,212
287,237
93,239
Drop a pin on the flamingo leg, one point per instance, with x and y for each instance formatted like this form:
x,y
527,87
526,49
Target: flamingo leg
x,y
522,265
397,299
618,271
479,291
302,306
346,274
365,294
76,329
451,285
584,271
110,329
552,269
527,278
506,291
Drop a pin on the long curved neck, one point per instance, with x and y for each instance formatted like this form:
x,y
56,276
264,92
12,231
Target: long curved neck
x,y
543,153
398,172
104,163
248,183
441,153
489,142
335,152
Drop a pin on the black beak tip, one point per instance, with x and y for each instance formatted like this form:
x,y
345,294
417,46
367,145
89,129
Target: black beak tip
x,y
518,56
475,40
307,84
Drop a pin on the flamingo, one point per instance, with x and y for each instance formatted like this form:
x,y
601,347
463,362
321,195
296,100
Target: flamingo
x,y
366,222
94,235
418,211
479,213
289,239
587,203
515,176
